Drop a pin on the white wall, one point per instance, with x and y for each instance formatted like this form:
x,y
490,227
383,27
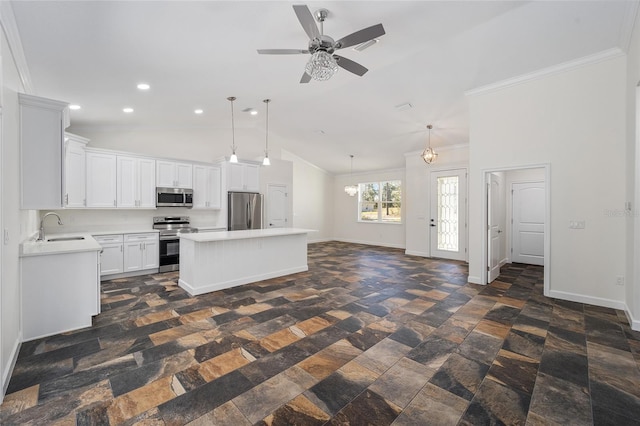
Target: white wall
x,y
417,194
312,198
19,224
574,121
345,212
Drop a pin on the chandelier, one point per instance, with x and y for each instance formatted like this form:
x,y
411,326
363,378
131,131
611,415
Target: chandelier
x,y
234,157
351,190
321,66
429,155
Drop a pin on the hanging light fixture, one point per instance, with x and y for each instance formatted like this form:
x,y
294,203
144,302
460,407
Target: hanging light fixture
x,y
322,65
234,157
266,161
351,190
429,155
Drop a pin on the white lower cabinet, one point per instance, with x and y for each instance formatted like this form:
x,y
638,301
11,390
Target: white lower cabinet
x,y
125,253
111,259
140,252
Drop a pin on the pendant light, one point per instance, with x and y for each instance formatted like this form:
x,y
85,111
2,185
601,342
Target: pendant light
x,y
351,190
234,157
429,155
266,161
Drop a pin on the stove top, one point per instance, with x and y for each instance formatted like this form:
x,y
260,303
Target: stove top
x,y
173,225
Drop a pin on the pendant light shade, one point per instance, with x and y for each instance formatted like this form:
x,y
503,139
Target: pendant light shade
x,y
351,190
266,161
429,155
234,157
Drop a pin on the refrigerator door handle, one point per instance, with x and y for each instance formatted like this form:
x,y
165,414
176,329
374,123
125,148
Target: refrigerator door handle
x,y
249,215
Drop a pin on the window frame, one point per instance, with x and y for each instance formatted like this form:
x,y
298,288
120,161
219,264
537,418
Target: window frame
x,y
378,199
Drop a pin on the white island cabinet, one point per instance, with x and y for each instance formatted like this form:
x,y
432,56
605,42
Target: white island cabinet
x,y
60,285
211,261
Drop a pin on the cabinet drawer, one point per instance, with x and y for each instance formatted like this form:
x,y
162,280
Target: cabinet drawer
x,y
108,239
140,237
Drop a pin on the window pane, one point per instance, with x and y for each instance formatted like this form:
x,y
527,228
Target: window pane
x,y
369,192
391,191
391,212
369,211
448,213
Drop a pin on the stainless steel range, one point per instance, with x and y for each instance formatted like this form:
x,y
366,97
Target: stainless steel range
x,y
170,229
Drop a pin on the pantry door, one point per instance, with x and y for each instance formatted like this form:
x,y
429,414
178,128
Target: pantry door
x,y
448,222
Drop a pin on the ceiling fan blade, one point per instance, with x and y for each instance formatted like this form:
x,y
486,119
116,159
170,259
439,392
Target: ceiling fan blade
x,y
281,51
361,36
305,78
350,65
306,20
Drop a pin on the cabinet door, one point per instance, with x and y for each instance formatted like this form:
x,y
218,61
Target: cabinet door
x,y
251,177
214,190
200,187
147,183
132,256
236,177
150,254
111,259
184,175
165,174
127,182
101,180
75,179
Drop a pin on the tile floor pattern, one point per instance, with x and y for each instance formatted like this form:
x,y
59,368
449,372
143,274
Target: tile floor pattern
x,y
367,336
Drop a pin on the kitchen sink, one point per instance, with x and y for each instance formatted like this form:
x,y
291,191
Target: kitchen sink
x,y
51,240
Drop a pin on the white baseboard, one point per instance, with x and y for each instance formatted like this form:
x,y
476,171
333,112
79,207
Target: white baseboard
x,y
475,280
6,372
581,298
370,243
635,324
416,253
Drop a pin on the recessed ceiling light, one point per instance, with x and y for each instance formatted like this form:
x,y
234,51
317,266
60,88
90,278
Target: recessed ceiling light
x,y
254,112
143,86
127,110
74,107
250,111
198,111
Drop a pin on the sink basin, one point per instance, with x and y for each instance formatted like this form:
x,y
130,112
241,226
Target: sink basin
x,y
65,239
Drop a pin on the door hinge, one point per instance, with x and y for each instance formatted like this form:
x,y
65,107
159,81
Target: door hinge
x,y
488,268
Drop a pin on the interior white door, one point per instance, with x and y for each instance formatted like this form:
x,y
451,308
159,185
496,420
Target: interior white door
x,y
277,201
448,224
528,223
494,237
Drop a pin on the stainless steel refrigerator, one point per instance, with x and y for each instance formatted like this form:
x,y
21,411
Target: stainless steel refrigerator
x,y
244,211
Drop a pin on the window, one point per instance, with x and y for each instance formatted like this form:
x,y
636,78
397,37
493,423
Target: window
x,y
380,201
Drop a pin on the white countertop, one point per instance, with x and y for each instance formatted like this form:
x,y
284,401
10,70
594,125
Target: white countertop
x,y
32,247
203,237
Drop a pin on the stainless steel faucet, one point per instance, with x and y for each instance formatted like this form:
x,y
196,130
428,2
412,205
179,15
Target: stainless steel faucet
x,y
41,233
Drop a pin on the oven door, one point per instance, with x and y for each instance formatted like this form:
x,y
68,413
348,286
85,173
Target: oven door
x,y
169,254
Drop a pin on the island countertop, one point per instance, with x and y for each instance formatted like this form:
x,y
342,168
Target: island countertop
x,y
203,237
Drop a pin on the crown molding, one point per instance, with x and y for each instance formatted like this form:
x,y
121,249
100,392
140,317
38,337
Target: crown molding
x,y
10,29
549,71
627,27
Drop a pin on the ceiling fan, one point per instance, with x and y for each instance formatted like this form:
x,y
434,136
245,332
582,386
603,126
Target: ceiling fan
x,y
324,62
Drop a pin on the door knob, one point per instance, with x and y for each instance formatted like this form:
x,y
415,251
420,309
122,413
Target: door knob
x,y
433,224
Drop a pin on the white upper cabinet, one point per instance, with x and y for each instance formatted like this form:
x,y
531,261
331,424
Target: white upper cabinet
x,y
243,177
206,187
172,174
101,179
136,182
42,124
75,170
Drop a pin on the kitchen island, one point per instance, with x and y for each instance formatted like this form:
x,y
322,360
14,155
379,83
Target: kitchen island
x,y
211,261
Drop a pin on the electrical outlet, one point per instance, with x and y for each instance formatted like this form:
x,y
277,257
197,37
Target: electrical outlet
x,y
619,280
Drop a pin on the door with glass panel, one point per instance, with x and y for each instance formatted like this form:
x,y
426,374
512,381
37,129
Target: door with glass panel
x,y
448,221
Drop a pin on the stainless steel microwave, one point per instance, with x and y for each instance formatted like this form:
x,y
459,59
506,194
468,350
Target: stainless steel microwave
x,y
174,197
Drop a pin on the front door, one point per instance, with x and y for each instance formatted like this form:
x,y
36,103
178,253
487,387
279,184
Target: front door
x,y
528,223
448,223
277,202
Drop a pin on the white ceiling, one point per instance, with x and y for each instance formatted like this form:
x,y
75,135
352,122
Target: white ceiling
x,y
196,54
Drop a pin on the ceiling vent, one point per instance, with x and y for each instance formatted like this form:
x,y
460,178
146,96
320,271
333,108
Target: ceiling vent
x,y
365,45
403,107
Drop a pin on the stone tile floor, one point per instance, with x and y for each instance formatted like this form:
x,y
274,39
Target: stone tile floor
x,y
367,336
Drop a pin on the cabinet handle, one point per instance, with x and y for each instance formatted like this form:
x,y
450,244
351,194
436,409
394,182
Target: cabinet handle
x,y
120,249
114,203
66,199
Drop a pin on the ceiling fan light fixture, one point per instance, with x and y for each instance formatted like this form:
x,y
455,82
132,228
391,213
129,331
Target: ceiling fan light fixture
x,y
429,155
321,66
